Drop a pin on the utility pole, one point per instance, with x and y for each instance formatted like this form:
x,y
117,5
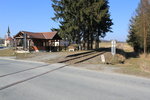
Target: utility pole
x,y
25,41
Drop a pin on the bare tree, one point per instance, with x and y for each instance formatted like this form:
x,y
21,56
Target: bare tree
x,y
145,24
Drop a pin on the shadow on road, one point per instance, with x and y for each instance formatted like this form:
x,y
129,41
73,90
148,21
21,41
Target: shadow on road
x,y
30,78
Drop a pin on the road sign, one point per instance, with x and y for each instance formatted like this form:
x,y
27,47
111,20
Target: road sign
x,y
113,47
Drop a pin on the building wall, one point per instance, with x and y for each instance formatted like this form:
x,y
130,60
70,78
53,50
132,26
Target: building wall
x,y
8,43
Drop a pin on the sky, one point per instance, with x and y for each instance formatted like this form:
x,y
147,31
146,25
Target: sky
x,y
35,16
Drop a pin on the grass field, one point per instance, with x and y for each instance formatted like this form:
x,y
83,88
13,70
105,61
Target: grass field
x,y
7,52
135,65
124,46
10,52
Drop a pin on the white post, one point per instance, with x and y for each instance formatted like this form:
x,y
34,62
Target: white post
x,y
113,47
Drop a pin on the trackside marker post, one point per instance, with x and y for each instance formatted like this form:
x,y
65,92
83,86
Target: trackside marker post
x,y
113,47
103,58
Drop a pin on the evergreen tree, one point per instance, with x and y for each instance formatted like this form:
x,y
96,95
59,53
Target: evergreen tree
x,y
83,20
133,38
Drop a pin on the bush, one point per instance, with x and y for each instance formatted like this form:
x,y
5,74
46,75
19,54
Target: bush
x,y
117,59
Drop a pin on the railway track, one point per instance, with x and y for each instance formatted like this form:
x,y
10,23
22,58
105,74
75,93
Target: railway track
x,y
80,58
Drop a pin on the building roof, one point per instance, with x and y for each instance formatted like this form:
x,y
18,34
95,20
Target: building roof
x,y
9,39
39,35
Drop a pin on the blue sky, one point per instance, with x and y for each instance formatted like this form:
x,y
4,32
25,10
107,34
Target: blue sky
x,y
35,16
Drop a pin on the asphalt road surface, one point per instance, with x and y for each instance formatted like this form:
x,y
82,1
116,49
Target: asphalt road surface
x,y
21,80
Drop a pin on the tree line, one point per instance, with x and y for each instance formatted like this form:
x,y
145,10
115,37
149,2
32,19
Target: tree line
x,y
82,21
139,29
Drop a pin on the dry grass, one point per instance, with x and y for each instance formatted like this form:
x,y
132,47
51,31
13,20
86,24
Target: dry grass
x,y
11,52
105,44
136,66
123,46
7,52
24,55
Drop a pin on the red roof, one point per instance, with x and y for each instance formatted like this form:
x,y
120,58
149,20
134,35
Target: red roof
x,y
39,35
9,38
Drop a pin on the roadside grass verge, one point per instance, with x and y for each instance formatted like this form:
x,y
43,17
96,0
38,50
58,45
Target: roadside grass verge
x,y
7,52
136,66
11,52
24,55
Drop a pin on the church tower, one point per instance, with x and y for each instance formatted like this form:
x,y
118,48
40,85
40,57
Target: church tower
x,y
8,33
8,39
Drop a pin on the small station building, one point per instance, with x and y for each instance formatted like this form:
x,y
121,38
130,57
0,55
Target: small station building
x,y
37,41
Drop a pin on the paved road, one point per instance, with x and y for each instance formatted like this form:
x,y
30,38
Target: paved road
x,y
39,81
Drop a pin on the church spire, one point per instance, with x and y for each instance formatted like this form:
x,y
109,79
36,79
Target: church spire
x,y
8,32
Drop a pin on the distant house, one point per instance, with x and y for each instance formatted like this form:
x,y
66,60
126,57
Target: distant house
x,y
37,41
